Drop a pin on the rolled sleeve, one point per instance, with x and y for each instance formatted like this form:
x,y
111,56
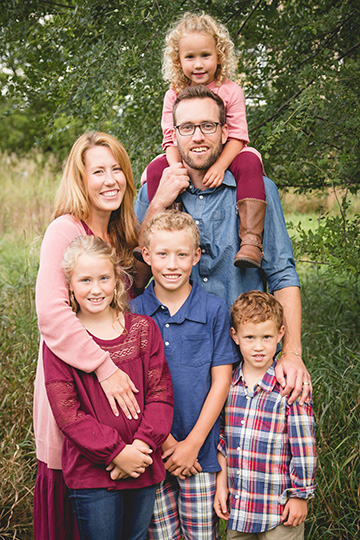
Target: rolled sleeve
x,y
278,261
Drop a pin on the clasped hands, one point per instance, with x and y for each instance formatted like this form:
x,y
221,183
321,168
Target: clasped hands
x,y
180,458
131,461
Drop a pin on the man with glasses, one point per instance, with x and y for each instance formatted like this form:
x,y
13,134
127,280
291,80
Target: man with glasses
x,y
199,134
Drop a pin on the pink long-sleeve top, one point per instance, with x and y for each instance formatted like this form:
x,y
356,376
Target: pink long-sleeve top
x,y
93,435
62,332
234,100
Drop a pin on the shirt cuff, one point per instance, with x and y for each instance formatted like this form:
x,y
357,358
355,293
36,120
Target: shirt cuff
x,y
300,493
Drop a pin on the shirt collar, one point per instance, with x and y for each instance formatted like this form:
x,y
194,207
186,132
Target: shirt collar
x,y
193,308
228,180
267,383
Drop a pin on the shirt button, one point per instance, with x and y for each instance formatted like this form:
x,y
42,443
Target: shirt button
x,y
201,197
203,250
167,343
197,222
238,472
238,449
162,307
242,422
237,496
167,325
205,280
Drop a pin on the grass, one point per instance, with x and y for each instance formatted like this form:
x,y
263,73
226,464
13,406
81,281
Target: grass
x,y
331,324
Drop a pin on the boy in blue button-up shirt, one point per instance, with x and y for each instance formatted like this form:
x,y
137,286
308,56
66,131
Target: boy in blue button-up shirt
x,y
196,332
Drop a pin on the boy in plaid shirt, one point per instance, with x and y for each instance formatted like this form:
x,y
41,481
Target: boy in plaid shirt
x,y
267,447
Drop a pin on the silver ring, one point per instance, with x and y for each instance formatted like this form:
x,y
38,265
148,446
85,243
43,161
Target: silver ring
x,y
307,383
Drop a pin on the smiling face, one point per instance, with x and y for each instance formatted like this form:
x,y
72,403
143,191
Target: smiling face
x,y
198,57
257,342
171,255
93,282
199,151
105,180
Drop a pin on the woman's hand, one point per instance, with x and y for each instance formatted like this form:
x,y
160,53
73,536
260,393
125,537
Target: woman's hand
x,y
119,389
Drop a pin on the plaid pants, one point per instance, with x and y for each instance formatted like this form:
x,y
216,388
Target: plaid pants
x,y
184,509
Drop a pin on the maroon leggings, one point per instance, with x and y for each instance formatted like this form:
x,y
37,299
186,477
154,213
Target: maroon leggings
x,y
246,168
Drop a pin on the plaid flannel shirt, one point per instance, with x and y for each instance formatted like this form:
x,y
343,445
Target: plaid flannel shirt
x,y
270,450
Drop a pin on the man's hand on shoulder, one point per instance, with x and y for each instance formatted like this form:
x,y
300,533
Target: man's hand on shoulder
x,y
293,376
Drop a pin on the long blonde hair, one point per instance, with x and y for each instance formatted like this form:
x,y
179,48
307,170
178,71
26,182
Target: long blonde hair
x,y
203,24
97,247
72,196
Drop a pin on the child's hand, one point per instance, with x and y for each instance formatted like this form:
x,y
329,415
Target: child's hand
x,y
182,461
116,473
214,176
132,461
144,447
295,512
221,502
170,443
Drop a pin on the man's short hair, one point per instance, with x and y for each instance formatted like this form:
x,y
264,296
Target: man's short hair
x,y
171,221
200,92
256,307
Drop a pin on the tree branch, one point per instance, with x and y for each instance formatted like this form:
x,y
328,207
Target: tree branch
x,y
246,19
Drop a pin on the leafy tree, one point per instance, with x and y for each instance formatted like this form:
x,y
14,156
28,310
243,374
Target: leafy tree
x,y
74,65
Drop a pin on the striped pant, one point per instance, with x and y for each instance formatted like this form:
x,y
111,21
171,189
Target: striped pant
x,y
184,509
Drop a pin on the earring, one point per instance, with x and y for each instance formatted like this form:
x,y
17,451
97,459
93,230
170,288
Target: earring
x,y
115,296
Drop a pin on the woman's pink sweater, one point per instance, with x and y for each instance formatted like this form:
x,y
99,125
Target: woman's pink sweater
x,y
62,332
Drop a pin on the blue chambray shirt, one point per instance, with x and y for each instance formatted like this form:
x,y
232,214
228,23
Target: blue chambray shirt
x,y
214,212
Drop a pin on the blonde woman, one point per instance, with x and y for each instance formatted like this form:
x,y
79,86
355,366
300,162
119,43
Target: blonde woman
x,y
95,197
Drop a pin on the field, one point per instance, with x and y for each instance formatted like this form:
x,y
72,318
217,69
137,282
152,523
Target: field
x,y
331,343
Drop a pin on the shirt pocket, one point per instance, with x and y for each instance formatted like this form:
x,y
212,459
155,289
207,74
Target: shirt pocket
x,y
196,350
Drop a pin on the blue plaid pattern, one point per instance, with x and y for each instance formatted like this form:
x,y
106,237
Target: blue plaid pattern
x,y
184,509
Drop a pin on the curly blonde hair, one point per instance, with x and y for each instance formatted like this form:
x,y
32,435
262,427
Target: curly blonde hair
x,y
192,23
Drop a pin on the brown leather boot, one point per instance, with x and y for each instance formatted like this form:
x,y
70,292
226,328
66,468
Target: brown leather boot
x,y
137,252
252,216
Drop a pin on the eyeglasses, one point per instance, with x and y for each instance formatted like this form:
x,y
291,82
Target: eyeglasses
x,y
206,128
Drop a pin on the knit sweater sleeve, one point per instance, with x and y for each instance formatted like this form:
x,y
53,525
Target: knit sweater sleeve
x,y
59,327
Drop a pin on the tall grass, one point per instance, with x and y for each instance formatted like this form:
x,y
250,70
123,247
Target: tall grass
x,y
331,324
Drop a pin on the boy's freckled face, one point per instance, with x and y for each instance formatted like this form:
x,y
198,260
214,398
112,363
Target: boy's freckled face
x,y
171,255
257,342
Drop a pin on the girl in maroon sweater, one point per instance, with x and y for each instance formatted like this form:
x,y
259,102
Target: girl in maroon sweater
x,y
111,464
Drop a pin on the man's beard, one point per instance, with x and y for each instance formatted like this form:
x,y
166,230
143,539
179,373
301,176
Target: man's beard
x,y
196,164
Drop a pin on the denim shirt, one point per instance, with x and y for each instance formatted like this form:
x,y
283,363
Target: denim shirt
x,y
214,211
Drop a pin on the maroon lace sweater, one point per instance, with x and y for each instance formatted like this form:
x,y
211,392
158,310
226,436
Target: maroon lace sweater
x,y
93,434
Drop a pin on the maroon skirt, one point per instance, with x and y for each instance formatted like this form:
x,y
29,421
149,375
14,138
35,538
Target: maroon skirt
x,y
53,514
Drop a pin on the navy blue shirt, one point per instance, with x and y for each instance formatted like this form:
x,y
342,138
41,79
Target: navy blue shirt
x,y
196,338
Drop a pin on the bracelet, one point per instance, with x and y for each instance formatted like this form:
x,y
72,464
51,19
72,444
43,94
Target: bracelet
x,y
291,352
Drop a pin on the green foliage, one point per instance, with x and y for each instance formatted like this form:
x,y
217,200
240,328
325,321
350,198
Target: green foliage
x,y
334,242
98,64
